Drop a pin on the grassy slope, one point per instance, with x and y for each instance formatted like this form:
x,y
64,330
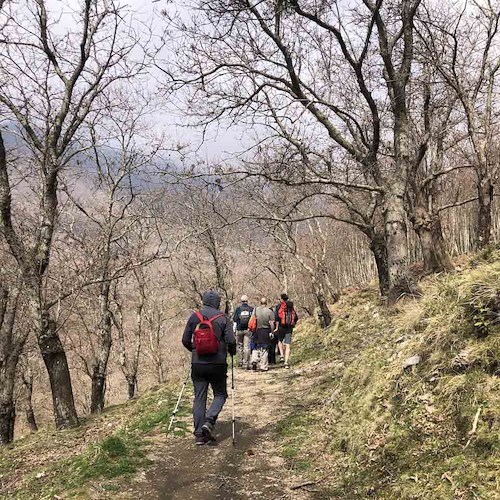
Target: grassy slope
x,y
366,427
92,461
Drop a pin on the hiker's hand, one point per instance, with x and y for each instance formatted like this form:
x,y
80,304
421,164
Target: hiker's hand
x,y
232,349
271,335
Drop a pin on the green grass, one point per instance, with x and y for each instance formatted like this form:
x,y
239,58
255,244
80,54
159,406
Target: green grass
x,y
293,433
115,456
118,450
392,433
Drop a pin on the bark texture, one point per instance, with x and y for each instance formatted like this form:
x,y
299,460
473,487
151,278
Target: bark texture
x,y
54,357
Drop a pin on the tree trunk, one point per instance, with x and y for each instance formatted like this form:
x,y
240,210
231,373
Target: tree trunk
x,y
7,405
430,234
30,418
160,372
98,391
378,246
100,363
30,414
11,346
7,419
400,281
132,386
55,360
485,199
325,316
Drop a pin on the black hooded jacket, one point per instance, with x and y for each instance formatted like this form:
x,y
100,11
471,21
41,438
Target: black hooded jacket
x,y
223,327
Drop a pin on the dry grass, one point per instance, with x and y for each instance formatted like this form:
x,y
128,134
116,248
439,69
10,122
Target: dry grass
x,y
395,433
91,461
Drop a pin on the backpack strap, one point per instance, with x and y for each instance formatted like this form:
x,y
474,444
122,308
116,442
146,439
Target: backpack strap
x,y
199,315
215,317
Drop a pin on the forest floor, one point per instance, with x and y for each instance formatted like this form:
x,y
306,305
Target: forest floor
x,y
125,453
251,468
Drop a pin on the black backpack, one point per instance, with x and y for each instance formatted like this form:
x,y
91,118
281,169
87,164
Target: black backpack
x,y
245,313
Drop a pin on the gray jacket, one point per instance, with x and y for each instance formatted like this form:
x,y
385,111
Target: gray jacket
x,y
223,327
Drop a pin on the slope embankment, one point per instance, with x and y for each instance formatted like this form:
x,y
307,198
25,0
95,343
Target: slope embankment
x,y
404,402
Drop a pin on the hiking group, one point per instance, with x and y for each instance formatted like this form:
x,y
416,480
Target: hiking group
x,y
262,332
210,336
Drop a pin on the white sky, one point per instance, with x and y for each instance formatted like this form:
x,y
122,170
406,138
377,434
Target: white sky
x,y
220,142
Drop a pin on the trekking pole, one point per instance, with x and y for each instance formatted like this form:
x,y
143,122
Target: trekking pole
x,y
176,409
232,397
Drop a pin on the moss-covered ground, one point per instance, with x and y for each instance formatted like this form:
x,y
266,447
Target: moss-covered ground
x,y
367,427
94,460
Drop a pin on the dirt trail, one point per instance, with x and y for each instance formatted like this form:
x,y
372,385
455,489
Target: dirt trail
x,y
250,469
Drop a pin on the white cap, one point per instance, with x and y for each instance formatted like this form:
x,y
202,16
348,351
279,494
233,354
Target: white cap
x,y
244,298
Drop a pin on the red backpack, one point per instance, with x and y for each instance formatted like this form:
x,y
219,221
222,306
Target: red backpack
x,y
287,314
205,340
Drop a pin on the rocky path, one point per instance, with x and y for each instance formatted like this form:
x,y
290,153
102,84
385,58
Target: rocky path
x,y
252,468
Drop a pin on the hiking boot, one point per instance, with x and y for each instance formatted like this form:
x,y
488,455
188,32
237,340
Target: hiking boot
x,y
208,430
200,440
287,366
282,359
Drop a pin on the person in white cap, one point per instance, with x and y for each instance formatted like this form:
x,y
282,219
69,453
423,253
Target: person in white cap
x,y
241,317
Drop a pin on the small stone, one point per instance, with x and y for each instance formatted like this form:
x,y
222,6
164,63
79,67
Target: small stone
x,y
463,359
333,397
40,475
400,339
412,361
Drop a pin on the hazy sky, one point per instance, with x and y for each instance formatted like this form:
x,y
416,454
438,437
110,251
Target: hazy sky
x,y
220,142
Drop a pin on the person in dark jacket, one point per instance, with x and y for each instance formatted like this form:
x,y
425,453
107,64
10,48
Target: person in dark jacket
x,y
284,332
274,339
209,369
241,317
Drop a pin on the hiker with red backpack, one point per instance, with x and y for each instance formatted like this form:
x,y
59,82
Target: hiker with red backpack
x,y
286,318
209,336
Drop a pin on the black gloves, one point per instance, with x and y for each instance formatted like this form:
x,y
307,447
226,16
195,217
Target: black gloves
x,y
231,349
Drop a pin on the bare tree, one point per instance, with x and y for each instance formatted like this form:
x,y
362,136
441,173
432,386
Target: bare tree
x,y
121,164
52,78
203,216
436,135
264,73
27,376
303,241
11,344
462,44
